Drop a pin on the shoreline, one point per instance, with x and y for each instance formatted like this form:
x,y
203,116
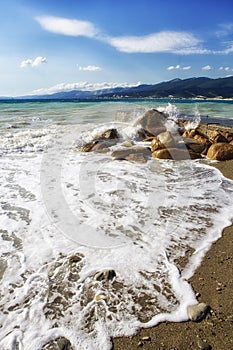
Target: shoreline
x,y
213,285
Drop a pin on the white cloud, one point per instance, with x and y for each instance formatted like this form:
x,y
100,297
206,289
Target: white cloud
x,y
226,69
186,67
84,86
90,68
207,68
65,26
166,41
179,67
225,29
33,63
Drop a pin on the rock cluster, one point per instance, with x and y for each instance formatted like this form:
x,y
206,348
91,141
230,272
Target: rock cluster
x,y
212,141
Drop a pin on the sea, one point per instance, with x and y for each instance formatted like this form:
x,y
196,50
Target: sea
x,y
90,247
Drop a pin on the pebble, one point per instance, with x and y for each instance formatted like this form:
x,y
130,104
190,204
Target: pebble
x,y
105,275
197,312
203,345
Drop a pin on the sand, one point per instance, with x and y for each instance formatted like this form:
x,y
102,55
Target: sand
x,y
213,283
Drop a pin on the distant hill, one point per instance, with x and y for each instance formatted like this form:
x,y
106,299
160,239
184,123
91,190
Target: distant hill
x,y
187,88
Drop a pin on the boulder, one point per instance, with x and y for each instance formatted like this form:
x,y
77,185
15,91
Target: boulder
x,y
152,123
189,133
131,153
228,135
109,134
195,146
163,140
217,137
220,151
102,142
175,154
99,146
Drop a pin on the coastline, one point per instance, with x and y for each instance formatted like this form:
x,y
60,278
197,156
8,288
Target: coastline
x,y
213,285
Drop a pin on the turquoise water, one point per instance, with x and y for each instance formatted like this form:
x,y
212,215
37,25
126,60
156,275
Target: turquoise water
x,y
35,113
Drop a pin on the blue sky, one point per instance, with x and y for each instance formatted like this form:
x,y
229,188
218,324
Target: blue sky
x,y
48,45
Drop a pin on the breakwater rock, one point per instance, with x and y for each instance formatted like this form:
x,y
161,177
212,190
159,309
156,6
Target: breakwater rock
x,y
157,139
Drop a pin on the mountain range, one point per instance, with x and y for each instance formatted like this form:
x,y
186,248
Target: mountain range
x,y
201,87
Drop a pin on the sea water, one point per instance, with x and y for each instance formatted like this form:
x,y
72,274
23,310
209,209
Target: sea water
x,y
67,215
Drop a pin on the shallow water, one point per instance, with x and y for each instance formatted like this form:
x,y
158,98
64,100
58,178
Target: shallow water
x,y
66,215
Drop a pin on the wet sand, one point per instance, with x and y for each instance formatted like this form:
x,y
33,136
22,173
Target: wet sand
x,y
213,284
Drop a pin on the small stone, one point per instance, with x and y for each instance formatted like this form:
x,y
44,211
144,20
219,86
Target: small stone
x,y
140,344
146,338
105,275
197,312
203,345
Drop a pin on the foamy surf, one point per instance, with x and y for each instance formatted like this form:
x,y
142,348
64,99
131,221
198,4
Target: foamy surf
x,y
67,216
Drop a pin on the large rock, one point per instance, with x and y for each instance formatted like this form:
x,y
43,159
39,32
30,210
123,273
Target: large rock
x,y
175,154
220,151
195,146
102,142
100,146
163,140
133,154
152,123
217,137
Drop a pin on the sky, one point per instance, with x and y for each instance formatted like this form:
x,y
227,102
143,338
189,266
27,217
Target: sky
x,y
52,45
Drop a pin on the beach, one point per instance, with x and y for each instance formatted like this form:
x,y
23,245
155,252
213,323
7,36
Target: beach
x,y
124,251
213,284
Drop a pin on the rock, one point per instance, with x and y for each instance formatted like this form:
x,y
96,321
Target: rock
x,y
189,133
203,345
127,143
202,139
197,312
60,343
109,134
136,158
195,146
175,154
228,135
217,137
102,142
99,146
152,123
122,154
104,275
220,151
163,140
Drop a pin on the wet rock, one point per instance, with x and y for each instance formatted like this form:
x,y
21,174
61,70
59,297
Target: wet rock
x,y
109,134
60,343
99,146
136,158
132,154
163,140
189,133
217,137
102,142
197,312
195,146
127,143
220,151
175,154
104,275
152,123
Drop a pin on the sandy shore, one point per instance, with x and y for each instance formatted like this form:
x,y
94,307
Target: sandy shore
x,y
213,283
